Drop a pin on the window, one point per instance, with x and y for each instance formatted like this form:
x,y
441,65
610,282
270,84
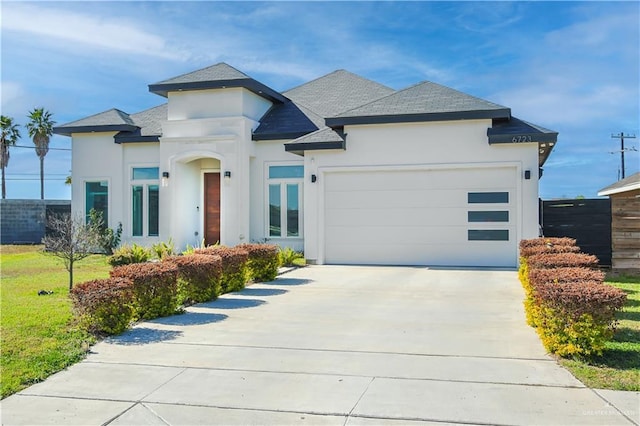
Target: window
x,y
487,197
488,216
145,205
488,235
97,198
285,194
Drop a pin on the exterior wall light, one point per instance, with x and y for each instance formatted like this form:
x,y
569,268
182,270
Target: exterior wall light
x,y
527,174
314,178
227,175
165,179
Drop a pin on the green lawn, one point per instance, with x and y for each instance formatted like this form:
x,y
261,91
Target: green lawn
x,y
38,337
619,366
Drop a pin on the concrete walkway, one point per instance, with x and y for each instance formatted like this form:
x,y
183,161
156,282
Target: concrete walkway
x,y
331,345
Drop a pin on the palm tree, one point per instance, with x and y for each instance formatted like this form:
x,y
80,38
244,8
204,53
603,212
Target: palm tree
x,y
9,136
40,127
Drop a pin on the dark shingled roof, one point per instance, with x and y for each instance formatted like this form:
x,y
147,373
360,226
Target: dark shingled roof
x,y
424,101
287,121
515,130
629,183
217,76
325,138
106,121
336,92
149,123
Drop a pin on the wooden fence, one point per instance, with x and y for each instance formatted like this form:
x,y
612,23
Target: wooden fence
x,y
586,220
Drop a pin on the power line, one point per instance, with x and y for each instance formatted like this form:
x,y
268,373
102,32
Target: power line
x,y
34,147
621,136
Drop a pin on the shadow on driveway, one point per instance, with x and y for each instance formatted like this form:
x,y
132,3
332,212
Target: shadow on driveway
x,y
262,291
190,318
143,335
289,281
231,303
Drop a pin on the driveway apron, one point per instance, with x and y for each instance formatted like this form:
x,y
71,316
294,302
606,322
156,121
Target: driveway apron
x,y
331,345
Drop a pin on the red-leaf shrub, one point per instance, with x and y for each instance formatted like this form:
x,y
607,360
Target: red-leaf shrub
x,y
565,275
562,260
104,305
154,287
234,266
263,261
544,249
198,277
546,241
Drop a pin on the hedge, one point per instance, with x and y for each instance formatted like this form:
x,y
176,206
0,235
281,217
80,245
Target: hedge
x,y
104,305
235,272
548,241
547,249
154,287
573,311
199,277
263,261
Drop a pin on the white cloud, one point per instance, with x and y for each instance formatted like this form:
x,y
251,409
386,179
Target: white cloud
x,y
66,26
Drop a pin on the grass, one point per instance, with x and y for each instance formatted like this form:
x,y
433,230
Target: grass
x,y
619,366
38,336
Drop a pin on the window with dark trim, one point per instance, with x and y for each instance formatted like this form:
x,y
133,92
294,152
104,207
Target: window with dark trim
x,y
488,216
488,235
145,206
284,198
97,198
487,197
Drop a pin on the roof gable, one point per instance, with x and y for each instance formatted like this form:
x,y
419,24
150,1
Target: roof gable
x,y
337,92
630,183
424,101
218,76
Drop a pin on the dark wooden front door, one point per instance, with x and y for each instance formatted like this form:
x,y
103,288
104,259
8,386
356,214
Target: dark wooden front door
x,y
211,208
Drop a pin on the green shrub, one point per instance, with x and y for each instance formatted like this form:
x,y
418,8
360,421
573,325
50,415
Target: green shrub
x,y
108,239
263,261
288,255
127,255
104,306
154,287
577,318
162,249
199,277
235,272
566,301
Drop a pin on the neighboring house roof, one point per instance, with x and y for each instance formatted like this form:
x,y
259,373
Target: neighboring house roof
x,y
217,76
424,101
325,138
337,92
515,130
106,121
630,183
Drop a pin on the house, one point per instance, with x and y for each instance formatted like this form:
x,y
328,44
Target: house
x,y
342,167
625,223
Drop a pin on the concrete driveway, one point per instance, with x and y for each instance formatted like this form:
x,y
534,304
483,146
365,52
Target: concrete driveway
x,y
331,345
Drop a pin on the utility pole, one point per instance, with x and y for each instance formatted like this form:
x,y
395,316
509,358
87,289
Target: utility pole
x,y
621,136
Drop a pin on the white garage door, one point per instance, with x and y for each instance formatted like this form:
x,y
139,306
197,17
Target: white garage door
x,y
447,217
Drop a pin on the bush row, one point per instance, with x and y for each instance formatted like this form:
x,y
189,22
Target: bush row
x,y
155,289
566,301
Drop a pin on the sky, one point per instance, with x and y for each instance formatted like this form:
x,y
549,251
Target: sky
x,y
572,67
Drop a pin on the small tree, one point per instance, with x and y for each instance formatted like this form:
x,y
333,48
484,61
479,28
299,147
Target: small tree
x,y
8,137
69,239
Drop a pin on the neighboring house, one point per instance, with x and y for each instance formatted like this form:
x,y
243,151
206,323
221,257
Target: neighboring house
x,y
345,168
625,222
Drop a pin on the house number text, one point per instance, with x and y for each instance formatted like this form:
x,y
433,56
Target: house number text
x,y
521,138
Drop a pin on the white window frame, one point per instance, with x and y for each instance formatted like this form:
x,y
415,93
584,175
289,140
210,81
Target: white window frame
x,y
145,183
283,201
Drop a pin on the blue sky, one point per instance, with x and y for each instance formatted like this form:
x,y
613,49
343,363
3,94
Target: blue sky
x,y
573,67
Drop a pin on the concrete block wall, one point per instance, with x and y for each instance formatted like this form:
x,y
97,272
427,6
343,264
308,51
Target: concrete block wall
x,y
24,221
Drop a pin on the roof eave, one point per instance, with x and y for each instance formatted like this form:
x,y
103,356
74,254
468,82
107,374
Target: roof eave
x,y
422,117
69,130
250,84
299,148
136,139
626,188
278,136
